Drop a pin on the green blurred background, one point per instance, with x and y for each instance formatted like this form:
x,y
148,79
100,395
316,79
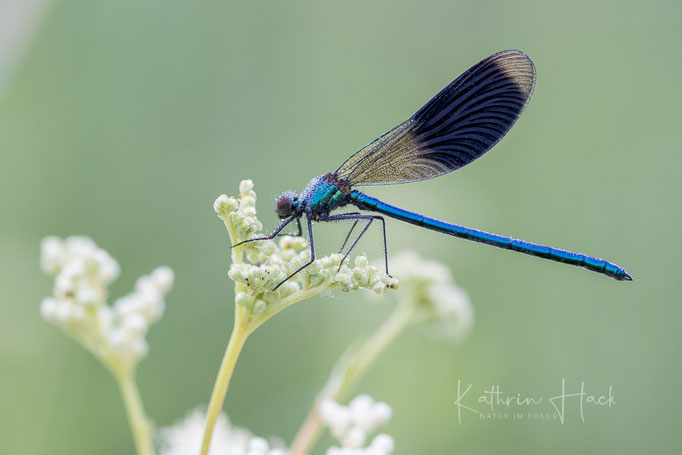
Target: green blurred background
x,y
124,120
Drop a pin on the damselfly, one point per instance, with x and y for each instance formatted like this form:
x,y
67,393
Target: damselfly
x,y
462,122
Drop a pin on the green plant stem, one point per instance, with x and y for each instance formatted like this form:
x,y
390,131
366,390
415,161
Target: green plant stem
x,y
238,337
285,303
246,322
215,405
139,423
348,370
243,327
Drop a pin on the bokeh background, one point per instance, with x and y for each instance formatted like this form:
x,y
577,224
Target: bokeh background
x,y
124,120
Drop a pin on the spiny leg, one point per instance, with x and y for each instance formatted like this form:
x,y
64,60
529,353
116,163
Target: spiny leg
x,y
312,253
343,245
298,234
271,236
383,230
369,218
369,223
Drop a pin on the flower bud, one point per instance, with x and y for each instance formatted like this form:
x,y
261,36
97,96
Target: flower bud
x,y
259,307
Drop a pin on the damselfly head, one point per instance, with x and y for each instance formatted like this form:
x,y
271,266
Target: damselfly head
x,y
284,204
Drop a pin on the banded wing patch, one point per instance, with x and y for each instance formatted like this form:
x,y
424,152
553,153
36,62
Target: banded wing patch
x,y
462,122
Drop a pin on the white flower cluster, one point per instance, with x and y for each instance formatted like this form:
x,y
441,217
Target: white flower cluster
x,y
352,424
82,273
441,303
269,263
82,270
185,436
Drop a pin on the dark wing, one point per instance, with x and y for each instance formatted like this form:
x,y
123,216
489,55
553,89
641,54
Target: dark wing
x,y
465,120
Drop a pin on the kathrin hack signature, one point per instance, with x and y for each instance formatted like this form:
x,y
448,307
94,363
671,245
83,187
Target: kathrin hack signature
x,y
493,404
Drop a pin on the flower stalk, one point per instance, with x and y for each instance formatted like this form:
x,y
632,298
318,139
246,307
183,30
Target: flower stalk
x,y
114,334
139,423
347,372
429,298
267,264
215,404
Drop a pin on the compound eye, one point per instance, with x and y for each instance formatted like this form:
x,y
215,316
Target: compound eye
x,y
284,204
